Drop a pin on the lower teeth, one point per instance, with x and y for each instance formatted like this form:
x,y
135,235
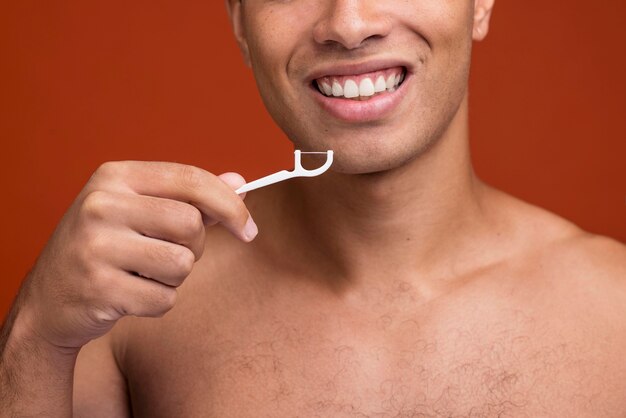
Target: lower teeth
x,y
361,98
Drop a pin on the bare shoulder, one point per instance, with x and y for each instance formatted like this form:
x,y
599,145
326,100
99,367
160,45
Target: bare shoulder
x,y
596,255
592,270
563,250
559,238
570,249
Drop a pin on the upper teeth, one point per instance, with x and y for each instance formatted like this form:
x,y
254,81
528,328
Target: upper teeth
x,y
367,86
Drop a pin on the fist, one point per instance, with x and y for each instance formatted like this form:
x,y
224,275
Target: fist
x,y
128,241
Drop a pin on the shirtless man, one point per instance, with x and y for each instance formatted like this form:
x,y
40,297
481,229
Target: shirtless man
x,y
396,285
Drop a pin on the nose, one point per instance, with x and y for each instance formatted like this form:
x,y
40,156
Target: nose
x,y
351,22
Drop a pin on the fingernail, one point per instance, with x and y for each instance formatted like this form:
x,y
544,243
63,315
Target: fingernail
x,y
250,230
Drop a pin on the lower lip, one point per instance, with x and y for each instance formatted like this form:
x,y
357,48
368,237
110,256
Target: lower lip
x,y
378,107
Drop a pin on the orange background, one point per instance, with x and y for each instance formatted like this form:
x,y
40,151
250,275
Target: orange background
x,y
83,82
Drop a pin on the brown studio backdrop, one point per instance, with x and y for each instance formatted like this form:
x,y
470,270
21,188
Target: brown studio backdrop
x,y
86,82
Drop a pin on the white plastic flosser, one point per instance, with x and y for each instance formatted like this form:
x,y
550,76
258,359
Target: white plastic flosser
x,y
298,171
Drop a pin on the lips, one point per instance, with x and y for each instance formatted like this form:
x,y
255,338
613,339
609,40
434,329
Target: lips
x,y
360,97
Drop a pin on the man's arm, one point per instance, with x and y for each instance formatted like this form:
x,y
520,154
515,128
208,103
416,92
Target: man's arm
x,y
127,242
38,380
35,378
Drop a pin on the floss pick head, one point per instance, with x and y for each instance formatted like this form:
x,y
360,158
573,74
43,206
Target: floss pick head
x,y
298,171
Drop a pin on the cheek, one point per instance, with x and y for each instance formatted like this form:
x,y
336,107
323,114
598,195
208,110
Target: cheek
x,y
443,19
266,48
274,33
445,27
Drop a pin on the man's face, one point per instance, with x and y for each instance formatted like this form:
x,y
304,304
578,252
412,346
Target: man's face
x,y
310,57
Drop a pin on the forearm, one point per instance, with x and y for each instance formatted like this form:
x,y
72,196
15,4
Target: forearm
x,y
36,378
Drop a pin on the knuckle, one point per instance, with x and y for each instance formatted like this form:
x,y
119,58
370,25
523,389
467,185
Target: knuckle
x,y
198,249
96,205
106,314
191,221
169,299
180,258
190,177
184,262
155,302
108,169
163,300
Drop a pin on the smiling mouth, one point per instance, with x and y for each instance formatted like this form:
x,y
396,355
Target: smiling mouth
x,y
361,87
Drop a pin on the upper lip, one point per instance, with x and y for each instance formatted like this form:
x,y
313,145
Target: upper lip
x,y
356,68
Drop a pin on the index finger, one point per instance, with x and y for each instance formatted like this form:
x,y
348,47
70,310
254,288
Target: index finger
x,y
193,185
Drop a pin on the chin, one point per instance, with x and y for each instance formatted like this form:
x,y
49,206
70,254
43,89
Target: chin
x,y
365,155
366,166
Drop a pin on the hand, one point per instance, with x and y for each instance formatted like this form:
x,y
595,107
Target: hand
x,y
129,239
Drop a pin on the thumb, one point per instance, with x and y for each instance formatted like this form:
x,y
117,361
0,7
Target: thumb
x,y
234,180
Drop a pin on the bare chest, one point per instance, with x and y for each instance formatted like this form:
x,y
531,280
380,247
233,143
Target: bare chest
x,y
395,367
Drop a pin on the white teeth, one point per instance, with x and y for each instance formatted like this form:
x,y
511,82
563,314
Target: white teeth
x,y
391,81
350,89
380,84
337,90
366,87
327,89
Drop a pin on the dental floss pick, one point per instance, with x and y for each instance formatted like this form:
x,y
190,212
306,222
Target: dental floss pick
x,y
298,171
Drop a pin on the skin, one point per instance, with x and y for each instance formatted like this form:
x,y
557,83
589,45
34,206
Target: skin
x,y
397,284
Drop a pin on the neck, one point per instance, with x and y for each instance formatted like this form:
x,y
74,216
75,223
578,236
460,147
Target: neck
x,y
409,221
